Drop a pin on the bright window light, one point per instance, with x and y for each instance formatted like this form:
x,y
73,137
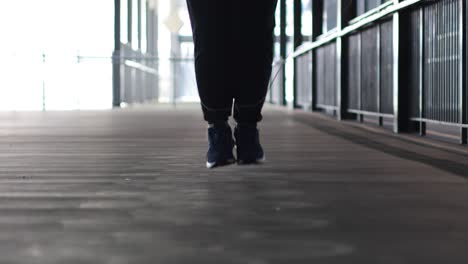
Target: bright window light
x,y
40,62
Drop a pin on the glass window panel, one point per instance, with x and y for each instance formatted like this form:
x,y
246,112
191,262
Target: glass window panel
x,y
124,21
277,32
143,27
363,6
329,15
289,67
135,24
306,20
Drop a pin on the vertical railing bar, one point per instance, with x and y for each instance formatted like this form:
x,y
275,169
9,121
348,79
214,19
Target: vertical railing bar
x,y
454,80
448,76
456,70
436,60
338,62
436,63
445,98
433,79
458,66
333,93
314,80
129,22
450,64
297,10
447,63
422,124
139,24
116,62
396,71
447,41
436,71
431,41
361,116
427,61
442,60
283,51
379,68
462,70
440,37
453,76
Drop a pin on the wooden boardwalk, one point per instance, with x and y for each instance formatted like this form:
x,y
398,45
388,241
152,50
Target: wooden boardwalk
x,y
129,186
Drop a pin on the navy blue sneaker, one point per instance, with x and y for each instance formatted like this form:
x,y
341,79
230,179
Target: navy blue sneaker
x,y
220,148
249,150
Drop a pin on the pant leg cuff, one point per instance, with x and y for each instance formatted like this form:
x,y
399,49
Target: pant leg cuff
x,y
216,115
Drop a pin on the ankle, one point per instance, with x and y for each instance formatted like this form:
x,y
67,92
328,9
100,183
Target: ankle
x,y
247,125
218,124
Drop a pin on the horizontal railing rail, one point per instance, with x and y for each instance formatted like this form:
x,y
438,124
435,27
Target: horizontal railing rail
x,y
360,22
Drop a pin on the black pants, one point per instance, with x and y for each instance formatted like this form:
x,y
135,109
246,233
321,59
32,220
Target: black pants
x,y
233,56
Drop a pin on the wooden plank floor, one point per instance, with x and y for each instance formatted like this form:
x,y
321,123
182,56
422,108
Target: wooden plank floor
x,y
130,186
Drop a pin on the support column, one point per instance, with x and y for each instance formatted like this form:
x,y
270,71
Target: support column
x,y
140,33
379,73
422,107
149,28
343,14
129,21
116,76
317,23
339,54
400,72
297,42
283,43
396,64
153,48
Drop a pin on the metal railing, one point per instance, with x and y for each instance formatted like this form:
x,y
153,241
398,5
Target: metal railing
x,y
276,92
139,76
69,81
304,67
325,57
441,90
404,61
145,78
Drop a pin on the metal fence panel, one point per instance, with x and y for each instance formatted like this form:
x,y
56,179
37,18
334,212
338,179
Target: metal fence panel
x,y
370,70
415,66
326,75
304,80
432,90
276,93
441,69
354,71
386,68
330,14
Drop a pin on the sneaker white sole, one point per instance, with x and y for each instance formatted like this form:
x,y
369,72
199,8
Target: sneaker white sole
x,y
262,160
211,165
257,161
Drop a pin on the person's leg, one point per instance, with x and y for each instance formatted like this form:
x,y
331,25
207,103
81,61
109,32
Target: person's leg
x,y
211,20
210,25
254,53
